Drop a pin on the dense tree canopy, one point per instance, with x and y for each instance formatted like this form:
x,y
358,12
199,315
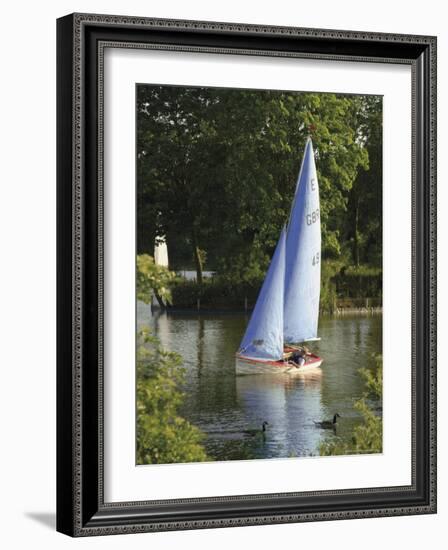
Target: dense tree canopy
x,y
217,170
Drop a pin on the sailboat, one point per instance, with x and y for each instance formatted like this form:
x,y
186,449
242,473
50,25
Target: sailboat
x,y
286,313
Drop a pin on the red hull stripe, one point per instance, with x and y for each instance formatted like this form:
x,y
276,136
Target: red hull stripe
x,y
314,359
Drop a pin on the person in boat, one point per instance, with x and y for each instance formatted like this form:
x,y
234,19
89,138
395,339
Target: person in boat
x,y
298,357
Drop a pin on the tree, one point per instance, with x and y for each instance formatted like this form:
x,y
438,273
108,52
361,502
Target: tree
x,y
153,279
364,222
217,168
163,436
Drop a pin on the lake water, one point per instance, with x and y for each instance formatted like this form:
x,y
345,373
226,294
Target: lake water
x,y
225,406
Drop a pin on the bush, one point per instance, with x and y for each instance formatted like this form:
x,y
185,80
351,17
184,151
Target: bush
x,y
367,437
163,436
153,279
359,282
214,293
230,292
328,294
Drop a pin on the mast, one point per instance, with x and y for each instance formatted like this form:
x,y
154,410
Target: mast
x,y
264,334
303,256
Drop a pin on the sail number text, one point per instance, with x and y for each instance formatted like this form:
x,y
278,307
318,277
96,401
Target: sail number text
x,y
313,217
316,258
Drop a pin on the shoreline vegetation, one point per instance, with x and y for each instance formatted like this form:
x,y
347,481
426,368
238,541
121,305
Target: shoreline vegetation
x,y
343,291
367,436
163,437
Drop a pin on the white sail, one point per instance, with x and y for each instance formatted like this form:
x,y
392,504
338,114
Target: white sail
x,y
264,334
303,256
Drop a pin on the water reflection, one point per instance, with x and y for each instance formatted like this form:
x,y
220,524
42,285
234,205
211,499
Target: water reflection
x,y
289,404
231,409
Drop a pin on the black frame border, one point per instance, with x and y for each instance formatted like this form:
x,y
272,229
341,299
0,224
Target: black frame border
x,y
81,39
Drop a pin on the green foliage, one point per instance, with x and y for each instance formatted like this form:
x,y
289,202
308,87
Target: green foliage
x,y
162,435
216,293
328,294
244,270
367,437
359,281
363,224
363,271
153,278
374,379
217,170
230,290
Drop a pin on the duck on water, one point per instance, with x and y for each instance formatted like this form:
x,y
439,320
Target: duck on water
x,y
328,424
240,434
256,431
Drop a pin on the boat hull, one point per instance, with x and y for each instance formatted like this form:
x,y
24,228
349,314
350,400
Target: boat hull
x,y
248,365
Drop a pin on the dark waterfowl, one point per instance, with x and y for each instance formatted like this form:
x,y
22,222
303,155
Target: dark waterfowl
x,y
328,424
236,435
255,432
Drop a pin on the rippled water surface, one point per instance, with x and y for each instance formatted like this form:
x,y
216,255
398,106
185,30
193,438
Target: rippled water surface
x,y
226,406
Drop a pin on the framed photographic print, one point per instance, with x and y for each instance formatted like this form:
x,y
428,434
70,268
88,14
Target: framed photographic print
x,y
246,274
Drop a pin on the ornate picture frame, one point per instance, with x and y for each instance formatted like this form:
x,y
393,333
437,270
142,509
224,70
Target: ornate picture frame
x,y
81,506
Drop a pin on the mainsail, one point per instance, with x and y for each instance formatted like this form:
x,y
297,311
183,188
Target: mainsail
x,y
303,256
264,334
